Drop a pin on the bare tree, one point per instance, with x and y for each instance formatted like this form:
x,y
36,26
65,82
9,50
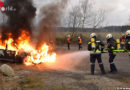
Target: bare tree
x,y
85,15
91,17
98,18
85,7
74,18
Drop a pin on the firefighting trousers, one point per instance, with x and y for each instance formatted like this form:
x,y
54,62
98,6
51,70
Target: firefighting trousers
x,y
80,46
68,45
112,65
93,58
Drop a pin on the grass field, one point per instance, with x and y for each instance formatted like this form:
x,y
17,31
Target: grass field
x,y
61,37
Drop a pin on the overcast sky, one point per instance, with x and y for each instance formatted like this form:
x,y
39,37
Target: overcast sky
x,y
118,11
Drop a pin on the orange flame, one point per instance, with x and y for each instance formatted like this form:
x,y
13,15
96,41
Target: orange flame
x,y
42,55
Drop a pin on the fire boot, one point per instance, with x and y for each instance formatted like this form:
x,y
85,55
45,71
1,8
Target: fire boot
x,y
92,68
102,68
113,67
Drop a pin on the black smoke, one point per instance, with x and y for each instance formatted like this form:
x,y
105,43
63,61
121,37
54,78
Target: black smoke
x,y
19,18
51,17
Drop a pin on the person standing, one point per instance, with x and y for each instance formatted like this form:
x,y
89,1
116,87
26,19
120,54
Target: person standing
x,y
95,46
80,43
68,42
111,46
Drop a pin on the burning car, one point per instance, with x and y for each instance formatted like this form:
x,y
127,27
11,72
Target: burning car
x,y
10,56
23,51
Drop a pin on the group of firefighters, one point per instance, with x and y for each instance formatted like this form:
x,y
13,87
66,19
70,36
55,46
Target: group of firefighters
x,y
97,47
79,42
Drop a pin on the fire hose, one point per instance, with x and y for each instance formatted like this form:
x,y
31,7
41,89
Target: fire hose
x,y
120,50
117,51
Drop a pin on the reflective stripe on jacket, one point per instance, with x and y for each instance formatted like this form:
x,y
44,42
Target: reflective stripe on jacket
x,y
95,52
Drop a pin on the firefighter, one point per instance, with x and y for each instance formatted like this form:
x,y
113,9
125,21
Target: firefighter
x,y
68,41
80,42
127,43
111,46
95,46
122,40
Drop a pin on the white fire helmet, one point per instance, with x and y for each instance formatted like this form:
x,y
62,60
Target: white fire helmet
x,y
128,33
92,35
79,37
109,36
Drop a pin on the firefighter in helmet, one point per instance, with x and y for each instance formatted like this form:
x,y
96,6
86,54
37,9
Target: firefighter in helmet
x,y
95,46
122,40
127,43
111,46
68,41
80,42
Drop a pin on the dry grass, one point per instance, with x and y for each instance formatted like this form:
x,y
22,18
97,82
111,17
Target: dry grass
x,y
61,37
36,82
126,80
31,82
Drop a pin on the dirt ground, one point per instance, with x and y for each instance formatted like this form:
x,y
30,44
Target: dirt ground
x,y
72,72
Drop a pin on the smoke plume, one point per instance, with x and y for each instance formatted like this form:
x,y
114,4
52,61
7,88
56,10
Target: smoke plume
x,y
51,17
18,19
21,19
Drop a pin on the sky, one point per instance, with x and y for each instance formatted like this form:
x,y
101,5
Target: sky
x,y
117,11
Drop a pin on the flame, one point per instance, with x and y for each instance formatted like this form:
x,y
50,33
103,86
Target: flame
x,y
35,56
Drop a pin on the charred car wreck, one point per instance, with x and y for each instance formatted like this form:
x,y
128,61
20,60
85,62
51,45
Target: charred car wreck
x,y
11,56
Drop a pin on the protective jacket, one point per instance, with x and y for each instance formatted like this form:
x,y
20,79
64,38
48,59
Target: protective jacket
x,y
68,40
80,41
123,39
111,45
95,46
